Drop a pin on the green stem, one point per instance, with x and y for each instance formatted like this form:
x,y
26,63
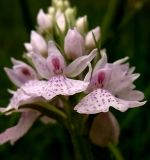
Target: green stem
x,y
48,110
80,145
115,151
82,149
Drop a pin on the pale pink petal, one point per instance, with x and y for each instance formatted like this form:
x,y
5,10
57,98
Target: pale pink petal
x,y
89,74
131,95
16,62
14,133
79,64
100,79
35,90
120,61
12,76
19,98
101,63
40,65
38,43
57,85
55,61
134,76
100,100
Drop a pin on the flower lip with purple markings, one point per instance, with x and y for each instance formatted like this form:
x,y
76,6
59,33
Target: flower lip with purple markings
x,y
111,84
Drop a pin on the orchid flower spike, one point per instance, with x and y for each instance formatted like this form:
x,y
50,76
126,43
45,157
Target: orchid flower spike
x,y
111,85
54,70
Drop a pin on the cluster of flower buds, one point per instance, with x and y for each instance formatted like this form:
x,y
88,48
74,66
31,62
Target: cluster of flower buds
x,y
58,54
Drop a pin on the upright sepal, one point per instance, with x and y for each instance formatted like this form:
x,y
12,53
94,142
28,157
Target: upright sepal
x,y
79,64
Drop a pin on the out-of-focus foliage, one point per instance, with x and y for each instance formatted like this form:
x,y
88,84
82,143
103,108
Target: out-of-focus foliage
x,y
127,33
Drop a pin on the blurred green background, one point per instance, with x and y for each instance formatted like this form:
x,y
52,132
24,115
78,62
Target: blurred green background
x,y
126,29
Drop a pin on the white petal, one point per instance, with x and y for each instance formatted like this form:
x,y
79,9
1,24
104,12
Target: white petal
x,y
14,133
101,63
40,65
100,100
79,64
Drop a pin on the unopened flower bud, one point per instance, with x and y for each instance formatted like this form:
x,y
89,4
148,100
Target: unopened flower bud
x,y
91,37
104,130
66,4
45,21
28,47
74,44
70,15
38,43
61,22
58,4
81,24
51,10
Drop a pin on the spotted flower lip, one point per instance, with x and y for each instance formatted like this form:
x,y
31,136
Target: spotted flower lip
x,y
111,84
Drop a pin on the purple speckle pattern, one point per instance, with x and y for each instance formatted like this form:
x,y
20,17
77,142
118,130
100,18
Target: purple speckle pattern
x,y
99,101
19,98
57,85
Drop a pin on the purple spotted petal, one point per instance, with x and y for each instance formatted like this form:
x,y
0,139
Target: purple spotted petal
x,y
36,90
12,134
100,100
19,98
57,85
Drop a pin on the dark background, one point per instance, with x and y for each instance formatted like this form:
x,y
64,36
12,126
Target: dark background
x,y
126,29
